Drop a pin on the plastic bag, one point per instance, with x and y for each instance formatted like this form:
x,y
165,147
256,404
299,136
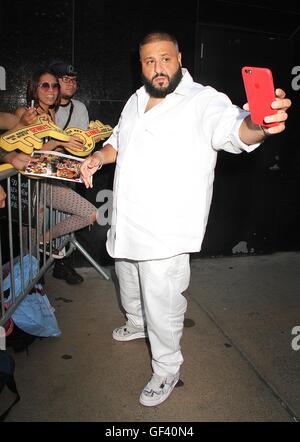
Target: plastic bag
x,y
34,314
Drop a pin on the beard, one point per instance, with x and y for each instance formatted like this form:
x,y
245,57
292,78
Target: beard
x,y
162,92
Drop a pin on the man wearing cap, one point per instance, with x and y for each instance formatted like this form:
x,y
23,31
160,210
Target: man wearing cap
x,y
71,113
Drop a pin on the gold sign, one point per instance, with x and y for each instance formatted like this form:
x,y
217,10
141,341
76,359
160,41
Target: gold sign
x,y
30,138
96,131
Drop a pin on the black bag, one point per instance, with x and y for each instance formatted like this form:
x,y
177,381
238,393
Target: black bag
x,y
7,369
19,340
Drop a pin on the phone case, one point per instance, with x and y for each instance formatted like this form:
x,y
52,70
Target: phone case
x,y
260,93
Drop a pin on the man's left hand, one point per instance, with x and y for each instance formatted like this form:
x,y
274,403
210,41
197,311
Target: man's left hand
x,y
282,104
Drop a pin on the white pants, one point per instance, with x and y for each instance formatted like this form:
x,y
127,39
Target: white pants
x,y
151,294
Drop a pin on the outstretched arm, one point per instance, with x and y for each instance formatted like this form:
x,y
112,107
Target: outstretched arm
x,y
8,121
251,133
22,117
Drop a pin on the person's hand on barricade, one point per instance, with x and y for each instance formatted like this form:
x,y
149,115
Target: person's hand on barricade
x,y
18,160
2,197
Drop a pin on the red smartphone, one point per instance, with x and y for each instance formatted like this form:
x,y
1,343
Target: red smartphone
x,y
260,93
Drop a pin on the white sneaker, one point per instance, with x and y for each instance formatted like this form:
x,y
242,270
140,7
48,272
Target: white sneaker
x,y
128,333
158,389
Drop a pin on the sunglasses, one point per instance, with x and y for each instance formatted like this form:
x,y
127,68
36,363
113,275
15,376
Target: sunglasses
x,y
46,86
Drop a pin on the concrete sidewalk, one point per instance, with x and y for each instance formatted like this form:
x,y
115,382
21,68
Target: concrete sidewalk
x,y
239,362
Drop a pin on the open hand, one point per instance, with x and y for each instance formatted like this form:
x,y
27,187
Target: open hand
x,y
88,168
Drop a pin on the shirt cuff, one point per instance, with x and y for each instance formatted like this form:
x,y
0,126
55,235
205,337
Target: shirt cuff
x,y
235,137
112,140
107,142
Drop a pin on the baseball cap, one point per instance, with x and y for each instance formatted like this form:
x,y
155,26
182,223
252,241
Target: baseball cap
x,y
61,68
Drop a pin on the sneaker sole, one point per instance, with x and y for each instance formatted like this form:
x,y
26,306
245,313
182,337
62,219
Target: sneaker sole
x,y
60,254
53,255
138,335
159,401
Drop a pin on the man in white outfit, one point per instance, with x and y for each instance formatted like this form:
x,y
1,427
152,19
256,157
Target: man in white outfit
x,y
165,147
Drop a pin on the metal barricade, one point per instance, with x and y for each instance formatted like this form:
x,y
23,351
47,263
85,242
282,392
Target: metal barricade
x,y
24,222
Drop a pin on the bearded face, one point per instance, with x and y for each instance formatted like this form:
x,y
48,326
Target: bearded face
x,y
161,67
160,89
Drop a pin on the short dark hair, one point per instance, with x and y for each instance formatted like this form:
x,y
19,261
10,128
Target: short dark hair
x,y
33,83
158,36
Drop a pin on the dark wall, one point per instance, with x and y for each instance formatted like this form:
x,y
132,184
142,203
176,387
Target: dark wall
x,y
252,201
99,37
255,195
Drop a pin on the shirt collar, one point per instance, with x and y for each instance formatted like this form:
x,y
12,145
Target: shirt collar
x,y
186,83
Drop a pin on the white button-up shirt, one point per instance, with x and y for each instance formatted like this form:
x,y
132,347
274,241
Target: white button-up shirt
x,y
165,165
